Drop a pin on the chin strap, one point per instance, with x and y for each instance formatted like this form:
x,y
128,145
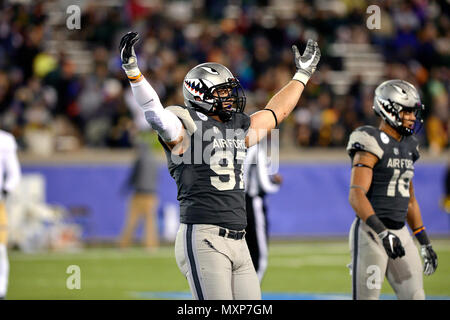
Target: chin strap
x,y
404,131
224,115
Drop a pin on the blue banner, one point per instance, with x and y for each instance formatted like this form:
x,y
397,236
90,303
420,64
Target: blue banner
x,y
313,200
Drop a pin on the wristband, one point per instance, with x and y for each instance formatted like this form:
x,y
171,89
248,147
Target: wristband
x,y
362,165
421,236
300,76
375,223
274,116
134,78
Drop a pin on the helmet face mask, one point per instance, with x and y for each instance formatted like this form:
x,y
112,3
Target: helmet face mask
x,y
229,96
395,97
212,89
406,130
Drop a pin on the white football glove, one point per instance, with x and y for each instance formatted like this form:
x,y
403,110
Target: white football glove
x,y
430,260
307,63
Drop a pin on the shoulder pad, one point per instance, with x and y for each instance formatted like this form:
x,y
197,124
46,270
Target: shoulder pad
x,y
363,139
185,117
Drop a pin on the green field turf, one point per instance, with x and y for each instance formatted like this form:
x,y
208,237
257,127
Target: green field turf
x,y
109,273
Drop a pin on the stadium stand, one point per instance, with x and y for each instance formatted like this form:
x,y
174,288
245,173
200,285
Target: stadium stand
x,y
64,88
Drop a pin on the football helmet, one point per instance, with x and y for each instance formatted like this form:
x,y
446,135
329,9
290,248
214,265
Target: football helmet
x,y
212,89
392,97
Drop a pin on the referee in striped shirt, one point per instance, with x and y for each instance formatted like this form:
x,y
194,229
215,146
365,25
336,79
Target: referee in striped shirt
x,y
258,183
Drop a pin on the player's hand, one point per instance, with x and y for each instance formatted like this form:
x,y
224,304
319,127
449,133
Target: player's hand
x,y
430,260
127,54
392,244
307,63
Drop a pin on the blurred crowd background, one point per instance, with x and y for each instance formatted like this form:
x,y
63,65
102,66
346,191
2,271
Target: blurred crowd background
x,y
64,89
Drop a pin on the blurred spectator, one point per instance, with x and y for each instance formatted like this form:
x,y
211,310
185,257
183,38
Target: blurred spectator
x,y
144,201
65,88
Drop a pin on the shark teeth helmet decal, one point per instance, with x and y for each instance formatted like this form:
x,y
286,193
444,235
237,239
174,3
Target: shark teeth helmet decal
x,y
197,87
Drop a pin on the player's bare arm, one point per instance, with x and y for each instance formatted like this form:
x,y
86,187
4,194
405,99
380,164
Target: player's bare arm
x,y
360,181
414,218
282,103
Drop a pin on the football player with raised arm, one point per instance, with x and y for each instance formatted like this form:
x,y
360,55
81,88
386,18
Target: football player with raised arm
x,y
382,195
205,142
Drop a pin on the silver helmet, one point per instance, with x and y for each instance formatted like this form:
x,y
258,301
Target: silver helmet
x,y
392,97
212,89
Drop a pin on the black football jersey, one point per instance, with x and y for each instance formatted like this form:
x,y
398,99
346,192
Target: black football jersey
x,y
209,174
389,191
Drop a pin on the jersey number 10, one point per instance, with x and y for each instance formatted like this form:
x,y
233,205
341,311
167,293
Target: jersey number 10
x,y
401,182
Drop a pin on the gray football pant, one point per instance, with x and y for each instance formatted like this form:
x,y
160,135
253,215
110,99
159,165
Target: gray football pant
x,y
370,264
217,268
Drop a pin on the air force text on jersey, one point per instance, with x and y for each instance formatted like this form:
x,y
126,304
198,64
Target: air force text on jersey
x,y
229,143
397,163
206,141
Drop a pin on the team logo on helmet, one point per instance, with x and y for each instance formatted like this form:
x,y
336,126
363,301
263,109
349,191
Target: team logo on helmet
x,y
210,70
401,91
